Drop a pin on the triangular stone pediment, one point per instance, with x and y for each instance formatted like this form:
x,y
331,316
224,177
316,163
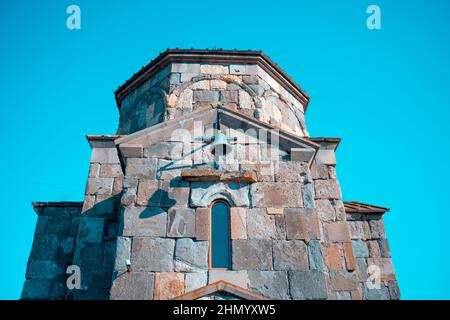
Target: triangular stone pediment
x,y
221,290
234,121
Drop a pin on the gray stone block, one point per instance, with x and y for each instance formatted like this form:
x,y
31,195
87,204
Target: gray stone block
x,y
279,194
165,150
152,254
290,255
376,294
122,253
191,255
261,225
133,286
100,186
91,230
44,269
206,96
271,284
307,284
360,249
36,289
141,168
181,222
229,96
204,193
144,221
252,254
195,280
45,247
316,261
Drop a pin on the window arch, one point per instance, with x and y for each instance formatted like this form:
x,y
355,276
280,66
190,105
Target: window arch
x,y
220,235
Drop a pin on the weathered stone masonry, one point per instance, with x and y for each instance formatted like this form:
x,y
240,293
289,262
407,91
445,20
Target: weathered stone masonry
x,y
149,190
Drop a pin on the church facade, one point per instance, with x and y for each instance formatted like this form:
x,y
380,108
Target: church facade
x,y
212,188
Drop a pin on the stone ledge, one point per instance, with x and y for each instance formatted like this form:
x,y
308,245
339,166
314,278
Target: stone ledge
x,y
211,175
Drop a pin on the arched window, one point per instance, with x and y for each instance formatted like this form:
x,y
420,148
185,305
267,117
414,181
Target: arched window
x,y
219,245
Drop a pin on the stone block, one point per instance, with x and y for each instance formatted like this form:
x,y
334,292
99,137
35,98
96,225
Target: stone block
x,y
58,225
385,251
291,171
252,254
334,258
195,280
44,269
91,255
104,155
148,193
181,222
36,289
122,253
204,193
174,193
238,223
111,171
91,230
359,229
241,69
213,69
325,210
218,85
168,285
133,286
202,223
141,168
193,68
67,246
374,249
343,280
315,255
377,229
376,294
164,150
326,157
301,224
386,268
99,186
229,96
129,150
337,232
270,284
302,155
319,171
290,255
307,285
152,254
144,221
190,255
350,261
206,96
275,210
238,278
45,247
327,189
171,170
281,194
394,290
260,225
248,79
360,249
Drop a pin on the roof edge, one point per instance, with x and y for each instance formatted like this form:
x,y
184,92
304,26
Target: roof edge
x,y
212,56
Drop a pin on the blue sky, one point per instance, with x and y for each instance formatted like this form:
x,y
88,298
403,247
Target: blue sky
x,y
385,92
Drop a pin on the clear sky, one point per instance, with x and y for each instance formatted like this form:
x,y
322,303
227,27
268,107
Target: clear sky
x,y
385,92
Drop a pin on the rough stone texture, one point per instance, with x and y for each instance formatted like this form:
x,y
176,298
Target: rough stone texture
x,y
168,285
360,249
144,221
238,222
264,194
133,286
316,259
195,280
260,225
334,258
191,255
301,224
149,254
181,222
238,278
337,232
203,194
122,253
307,285
290,255
271,284
202,223
252,254
327,189
141,168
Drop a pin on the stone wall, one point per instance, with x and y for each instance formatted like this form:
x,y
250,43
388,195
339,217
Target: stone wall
x,y
181,88
52,250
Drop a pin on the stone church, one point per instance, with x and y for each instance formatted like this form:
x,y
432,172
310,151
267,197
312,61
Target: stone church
x,y
212,188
